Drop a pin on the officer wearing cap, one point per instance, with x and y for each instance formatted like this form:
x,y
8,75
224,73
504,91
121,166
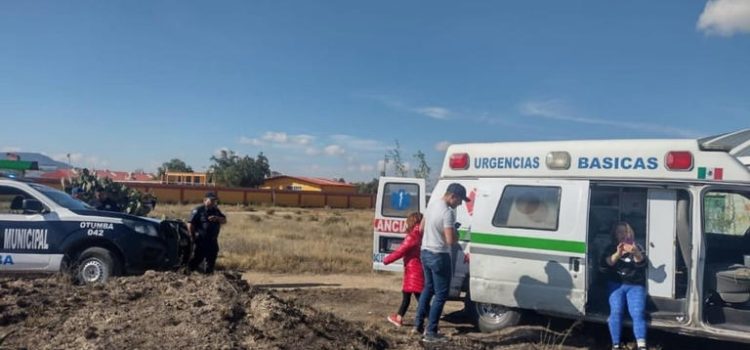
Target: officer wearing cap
x,y
204,225
439,225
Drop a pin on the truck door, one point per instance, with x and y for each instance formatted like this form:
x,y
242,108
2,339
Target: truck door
x,y
397,198
24,237
528,244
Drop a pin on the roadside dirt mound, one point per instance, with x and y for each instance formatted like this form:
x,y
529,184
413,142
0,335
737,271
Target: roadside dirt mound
x,y
166,311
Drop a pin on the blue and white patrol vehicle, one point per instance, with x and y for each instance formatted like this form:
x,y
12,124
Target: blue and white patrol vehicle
x,y
44,230
541,216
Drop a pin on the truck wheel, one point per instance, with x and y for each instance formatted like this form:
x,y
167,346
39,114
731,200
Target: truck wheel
x,y
491,317
95,265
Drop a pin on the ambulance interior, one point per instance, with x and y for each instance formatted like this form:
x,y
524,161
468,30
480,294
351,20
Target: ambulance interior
x,y
726,276
667,278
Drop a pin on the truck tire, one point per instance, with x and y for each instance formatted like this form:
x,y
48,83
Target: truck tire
x,y
95,265
491,317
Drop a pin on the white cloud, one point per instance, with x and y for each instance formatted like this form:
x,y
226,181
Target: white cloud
x,y
359,144
362,168
251,141
442,146
81,160
284,138
725,17
366,168
334,150
312,151
10,149
279,139
303,139
557,110
434,112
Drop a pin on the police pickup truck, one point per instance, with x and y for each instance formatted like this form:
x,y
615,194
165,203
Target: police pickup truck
x,y
46,230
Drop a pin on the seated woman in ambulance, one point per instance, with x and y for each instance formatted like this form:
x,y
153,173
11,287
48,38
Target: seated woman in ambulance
x,y
624,264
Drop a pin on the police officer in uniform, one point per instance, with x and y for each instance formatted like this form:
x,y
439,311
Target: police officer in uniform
x,y
204,225
102,201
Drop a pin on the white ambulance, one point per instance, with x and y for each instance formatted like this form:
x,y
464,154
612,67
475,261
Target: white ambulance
x,y
542,215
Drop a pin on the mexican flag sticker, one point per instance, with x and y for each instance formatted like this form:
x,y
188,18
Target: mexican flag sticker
x,y
711,173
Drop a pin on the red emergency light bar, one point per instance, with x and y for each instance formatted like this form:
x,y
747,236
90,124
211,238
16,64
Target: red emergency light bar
x,y
459,161
679,160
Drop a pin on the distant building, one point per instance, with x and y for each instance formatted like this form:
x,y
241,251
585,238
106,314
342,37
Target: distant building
x,y
300,183
178,178
118,176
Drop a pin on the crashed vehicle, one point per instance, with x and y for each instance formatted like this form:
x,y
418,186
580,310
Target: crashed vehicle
x,y
44,230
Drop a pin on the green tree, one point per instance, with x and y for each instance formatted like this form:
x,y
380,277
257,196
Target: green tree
x,y
232,170
422,170
399,168
129,200
174,164
370,187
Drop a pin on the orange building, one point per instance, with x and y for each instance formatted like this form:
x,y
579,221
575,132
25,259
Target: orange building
x,y
300,183
179,178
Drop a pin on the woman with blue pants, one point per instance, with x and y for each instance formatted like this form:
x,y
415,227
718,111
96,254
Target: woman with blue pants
x,y
624,263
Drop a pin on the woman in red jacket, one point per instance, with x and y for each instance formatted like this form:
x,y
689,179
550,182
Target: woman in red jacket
x,y
413,275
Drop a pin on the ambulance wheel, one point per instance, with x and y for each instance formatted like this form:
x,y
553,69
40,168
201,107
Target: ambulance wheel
x,y
491,317
95,265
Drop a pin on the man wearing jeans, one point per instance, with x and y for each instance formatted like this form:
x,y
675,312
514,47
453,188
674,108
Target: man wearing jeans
x,y
439,235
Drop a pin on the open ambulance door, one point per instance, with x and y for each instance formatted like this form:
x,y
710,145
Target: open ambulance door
x,y
397,198
529,249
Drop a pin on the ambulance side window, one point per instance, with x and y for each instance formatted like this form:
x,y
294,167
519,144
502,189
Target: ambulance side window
x,y
400,200
529,207
11,200
726,213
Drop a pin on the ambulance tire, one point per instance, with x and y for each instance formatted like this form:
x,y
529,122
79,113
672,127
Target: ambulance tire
x,y
492,317
95,265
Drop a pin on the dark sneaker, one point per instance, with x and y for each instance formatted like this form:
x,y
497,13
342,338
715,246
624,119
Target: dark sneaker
x,y
434,338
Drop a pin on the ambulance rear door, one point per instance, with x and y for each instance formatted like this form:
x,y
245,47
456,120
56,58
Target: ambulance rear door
x,y
528,244
397,198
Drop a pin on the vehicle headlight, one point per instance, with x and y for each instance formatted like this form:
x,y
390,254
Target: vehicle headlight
x,y
142,227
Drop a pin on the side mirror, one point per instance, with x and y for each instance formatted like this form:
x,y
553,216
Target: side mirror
x,y
32,206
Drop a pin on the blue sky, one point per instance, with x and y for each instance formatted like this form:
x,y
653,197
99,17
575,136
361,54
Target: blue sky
x,y
324,88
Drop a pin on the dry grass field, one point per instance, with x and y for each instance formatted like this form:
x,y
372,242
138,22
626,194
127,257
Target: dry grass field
x,y
291,240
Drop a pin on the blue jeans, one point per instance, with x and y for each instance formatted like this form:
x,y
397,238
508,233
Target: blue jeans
x,y
636,300
437,280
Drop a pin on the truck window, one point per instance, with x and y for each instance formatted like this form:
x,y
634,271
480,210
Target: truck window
x,y
400,200
726,213
528,207
11,200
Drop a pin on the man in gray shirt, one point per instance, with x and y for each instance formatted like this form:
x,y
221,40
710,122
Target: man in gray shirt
x,y
439,235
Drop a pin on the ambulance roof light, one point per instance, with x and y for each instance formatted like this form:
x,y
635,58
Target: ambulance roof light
x,y
679,160
558,160
459,161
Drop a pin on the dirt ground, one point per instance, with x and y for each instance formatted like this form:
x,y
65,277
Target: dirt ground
x,y
166,311
255,311
366,299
